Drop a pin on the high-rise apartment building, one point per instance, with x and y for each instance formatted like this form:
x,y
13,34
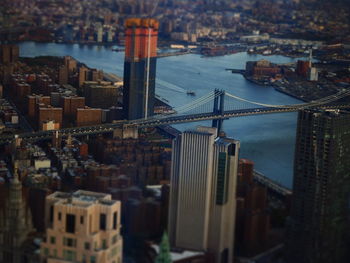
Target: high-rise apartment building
x,y
140,67
9,53
203,192
82,227
319,222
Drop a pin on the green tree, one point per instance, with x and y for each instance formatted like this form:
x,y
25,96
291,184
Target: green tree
x,y
164,250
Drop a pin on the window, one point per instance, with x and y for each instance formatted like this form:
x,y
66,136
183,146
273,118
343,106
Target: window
x,y
114,239
69,242
51,214
222,180
52,240
104,244
46,252
70,223
59,216
55,253
69,255
92,259
81,219
115,215
87,245
102,221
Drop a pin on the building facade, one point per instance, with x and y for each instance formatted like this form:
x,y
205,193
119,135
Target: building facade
x,y
319,222
140,67
82,227
203,196
15,227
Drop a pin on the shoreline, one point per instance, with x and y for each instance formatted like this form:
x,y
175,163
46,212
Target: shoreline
x,y
267,84
286,92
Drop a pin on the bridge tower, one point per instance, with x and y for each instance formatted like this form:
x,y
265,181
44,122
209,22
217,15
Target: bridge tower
x,y
218,109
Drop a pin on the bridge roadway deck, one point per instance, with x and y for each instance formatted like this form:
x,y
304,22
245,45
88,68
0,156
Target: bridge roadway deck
x,y
106,128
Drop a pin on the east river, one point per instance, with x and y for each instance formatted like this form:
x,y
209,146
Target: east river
x,y
268,140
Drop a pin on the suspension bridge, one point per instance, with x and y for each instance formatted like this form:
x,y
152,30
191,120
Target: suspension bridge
x,y
215,106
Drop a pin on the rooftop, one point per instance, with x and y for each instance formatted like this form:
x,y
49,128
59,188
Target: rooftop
x,y
82,198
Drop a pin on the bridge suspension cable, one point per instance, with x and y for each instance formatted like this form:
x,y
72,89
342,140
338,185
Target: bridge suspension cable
x,y
324,100
196,103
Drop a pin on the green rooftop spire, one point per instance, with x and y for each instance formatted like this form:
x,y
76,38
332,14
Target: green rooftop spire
x,y
164,250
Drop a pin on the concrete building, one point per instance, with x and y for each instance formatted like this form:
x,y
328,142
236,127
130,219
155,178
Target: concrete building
x,y
9,53
82,227
313,74
140,67
303,67
88,116
50,125
319,222
101,94
252,219
63,75
82,76
70,104
48,113
70,63
203,197
33,101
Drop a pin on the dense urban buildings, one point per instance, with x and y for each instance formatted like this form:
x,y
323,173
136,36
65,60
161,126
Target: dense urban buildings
x,y
78,183
140,67
202,206
319,221
82,227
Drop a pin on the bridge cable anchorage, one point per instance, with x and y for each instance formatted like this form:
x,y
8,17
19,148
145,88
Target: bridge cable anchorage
x,y
321,101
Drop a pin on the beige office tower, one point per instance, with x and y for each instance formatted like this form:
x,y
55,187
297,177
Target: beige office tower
x,y
203,192
82,227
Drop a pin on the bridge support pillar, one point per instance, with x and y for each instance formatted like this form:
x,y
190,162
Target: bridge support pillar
x,y
218,109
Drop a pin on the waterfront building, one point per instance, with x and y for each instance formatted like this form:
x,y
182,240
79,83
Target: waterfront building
x,y
319,222
82,227
202,192
140,67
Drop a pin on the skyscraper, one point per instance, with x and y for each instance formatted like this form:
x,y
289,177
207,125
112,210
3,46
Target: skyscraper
x,y
15,226
82,227
203,192
140,67
319,222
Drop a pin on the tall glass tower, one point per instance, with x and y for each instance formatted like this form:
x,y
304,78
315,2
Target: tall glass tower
x,y
319,223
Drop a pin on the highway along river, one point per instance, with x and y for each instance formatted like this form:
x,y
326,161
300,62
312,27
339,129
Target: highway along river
x,y
268,140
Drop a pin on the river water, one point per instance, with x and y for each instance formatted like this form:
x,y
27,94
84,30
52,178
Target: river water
x,y
268,140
